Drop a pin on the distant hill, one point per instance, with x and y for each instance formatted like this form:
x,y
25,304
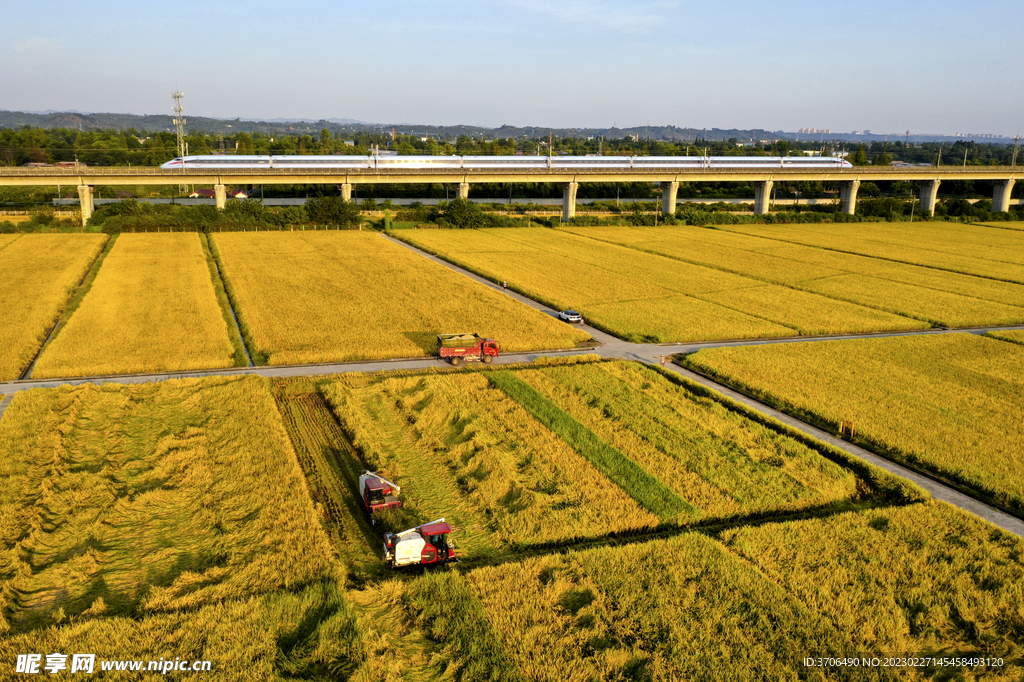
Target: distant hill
x,y
341,127
107,121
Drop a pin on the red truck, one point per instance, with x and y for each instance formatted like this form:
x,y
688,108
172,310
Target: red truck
x,y
459,348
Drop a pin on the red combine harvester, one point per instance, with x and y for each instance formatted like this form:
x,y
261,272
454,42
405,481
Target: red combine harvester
x,y
459,348
378,493
426,545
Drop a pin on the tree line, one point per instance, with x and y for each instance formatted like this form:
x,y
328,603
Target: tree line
x,y
148,148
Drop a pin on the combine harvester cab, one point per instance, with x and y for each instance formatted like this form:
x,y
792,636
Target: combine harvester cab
x,y
426,545
459,348
377,493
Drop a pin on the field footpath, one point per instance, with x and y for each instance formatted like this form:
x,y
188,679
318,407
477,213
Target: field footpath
x,y
610,347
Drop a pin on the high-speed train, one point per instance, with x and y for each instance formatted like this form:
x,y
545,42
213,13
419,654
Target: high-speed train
x,y
394,162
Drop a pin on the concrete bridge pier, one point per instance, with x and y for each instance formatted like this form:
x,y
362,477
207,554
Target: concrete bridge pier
x,y
221,193
848,196
85,202
669,191
762,196
569,200
1001,192
346,191
929,194
463,191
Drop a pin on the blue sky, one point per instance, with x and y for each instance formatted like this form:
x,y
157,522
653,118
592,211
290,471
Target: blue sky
x,y
928,67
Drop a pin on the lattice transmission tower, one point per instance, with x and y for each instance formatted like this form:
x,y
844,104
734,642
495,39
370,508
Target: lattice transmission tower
x,y
179,127
179,122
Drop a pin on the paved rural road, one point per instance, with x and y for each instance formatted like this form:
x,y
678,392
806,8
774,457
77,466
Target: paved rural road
x,y
609,347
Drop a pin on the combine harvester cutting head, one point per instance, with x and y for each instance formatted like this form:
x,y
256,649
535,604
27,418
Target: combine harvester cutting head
x,y
378,493
426,545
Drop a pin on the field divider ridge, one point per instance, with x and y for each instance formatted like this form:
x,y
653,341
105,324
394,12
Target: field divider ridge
x,y
242,356
78,294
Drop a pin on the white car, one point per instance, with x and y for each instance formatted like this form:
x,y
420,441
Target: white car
x,y
570,316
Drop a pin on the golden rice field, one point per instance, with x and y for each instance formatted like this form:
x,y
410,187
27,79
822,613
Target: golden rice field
x,y
322,296
645,296
721,463
952,404
151,308
679,609
923,293
119,499
922,578
463,450
164,519
38,272
970,249
918,580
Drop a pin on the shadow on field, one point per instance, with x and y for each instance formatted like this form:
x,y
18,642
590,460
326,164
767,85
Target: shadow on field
x,y
425,341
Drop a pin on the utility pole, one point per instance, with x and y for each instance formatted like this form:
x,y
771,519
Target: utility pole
x,y
1016,148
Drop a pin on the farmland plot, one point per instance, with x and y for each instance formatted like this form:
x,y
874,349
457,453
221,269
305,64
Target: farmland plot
x,y
463,450
37,275
647,297
952,404
969,249
128,500
323,296
926,578
925,294
151,308
679,609
722,464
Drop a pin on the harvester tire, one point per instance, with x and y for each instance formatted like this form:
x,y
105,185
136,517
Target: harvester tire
x,y
456,361
488,359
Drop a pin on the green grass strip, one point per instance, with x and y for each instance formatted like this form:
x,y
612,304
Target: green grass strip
x,y
240,357
258,357
649,492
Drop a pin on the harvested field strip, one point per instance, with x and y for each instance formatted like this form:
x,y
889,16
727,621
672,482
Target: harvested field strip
x,y
380,430
634,612
723,464
151,308
952,404
643,296
916,245
922,579
324,296
143,498
647,490
332,470
241,355
38,273
464,450
921,293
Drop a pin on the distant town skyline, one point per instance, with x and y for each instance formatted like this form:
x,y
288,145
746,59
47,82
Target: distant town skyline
x,y
931,68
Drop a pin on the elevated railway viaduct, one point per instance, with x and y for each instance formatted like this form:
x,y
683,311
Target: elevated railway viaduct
x,y
927,178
